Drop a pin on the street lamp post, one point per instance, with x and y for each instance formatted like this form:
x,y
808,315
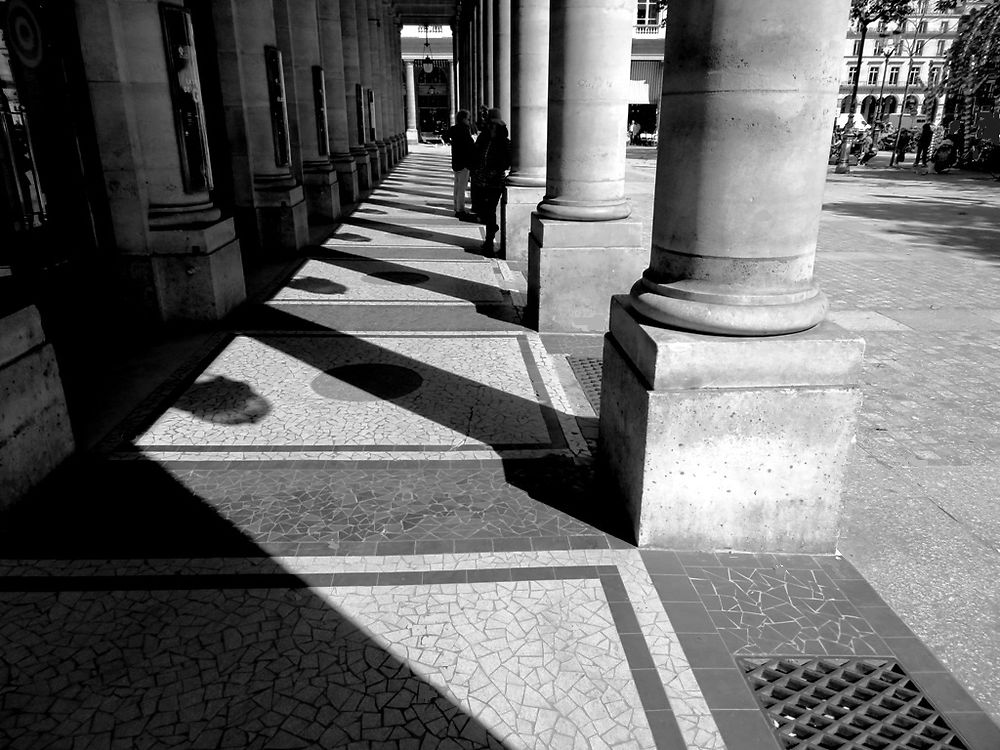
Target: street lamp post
x,y
847,137
886,53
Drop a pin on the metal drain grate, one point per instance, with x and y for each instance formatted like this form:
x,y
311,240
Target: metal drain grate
x,y
588,372
847,704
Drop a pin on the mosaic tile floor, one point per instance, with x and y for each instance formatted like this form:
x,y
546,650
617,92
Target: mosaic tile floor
x,y
336,527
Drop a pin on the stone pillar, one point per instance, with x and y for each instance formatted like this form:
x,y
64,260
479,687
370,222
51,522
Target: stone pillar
x,y
477,56
319,177
489,45
452,93
35,432
528,124
365,60
397,90
502,56
331,42
180,260
582,247
352,80
735,441
386,79
411,103
270,203
377,84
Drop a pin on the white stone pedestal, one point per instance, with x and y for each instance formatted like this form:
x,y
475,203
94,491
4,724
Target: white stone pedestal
x,y
516,207
729,443
574,268
347,176
197,272
35,433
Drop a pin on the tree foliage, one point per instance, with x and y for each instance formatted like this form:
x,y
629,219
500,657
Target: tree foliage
x,y
866,12
974,64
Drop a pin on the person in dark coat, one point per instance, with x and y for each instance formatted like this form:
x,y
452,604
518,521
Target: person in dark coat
x,y
493,155
902,144
923,145
463,153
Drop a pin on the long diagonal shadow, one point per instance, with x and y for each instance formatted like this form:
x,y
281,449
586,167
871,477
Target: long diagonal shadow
x,y
412,207
427,235
170,653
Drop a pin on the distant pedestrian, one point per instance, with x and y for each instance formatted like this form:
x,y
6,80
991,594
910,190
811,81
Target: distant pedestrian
x,y
493,155
463,152
923,145
902,144
635,129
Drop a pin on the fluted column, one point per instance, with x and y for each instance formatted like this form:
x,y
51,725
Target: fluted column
x,y
581,246
735,441
352,96
331,44
721,261
411,103
477,56
318,174
452,93
529,91
502,56
365,59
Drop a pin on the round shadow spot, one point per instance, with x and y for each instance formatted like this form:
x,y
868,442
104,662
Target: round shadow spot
x,y
317,285
409,278
367,382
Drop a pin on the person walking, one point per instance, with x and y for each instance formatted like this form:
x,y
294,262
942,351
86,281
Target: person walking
x,y
492,160
463,152
902,144
923,146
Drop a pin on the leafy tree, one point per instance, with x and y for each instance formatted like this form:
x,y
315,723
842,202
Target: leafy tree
x,y
974,64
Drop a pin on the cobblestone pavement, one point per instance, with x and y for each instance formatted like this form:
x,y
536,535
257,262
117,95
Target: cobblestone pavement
x,y
365,514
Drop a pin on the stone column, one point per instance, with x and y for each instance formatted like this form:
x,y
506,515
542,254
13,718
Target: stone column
x,y
397,88
489,45
582,247
477,56
529,90
180,260
352,79
411,103
319,177
270,203
735,441
377,83
502,57
331,40
385,45
452,93
365,59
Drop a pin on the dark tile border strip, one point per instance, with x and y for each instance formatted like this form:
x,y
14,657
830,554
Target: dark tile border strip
x,y
549,415
662,722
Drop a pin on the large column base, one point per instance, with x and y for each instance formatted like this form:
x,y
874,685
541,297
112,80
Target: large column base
x,y
35,432
412,136
197,273
383,157
516,207
729,443
282,219
322,195
347,178
574,267
376,165
364,169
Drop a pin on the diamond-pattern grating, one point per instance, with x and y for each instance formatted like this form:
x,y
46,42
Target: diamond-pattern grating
x,y
588,372
847,704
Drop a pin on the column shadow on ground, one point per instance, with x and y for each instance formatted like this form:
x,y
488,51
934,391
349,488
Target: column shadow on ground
x,y
156,655
427,235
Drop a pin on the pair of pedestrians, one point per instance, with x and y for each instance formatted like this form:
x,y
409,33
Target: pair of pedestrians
x,y
485,162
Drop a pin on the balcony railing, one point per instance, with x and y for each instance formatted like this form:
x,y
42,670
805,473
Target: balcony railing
x,y
649,30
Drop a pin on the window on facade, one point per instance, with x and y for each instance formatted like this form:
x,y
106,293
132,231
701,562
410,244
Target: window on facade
x,y
942,45
879,47
944,27
913,76
918,49
882,26
852,74
922,27
648,13
934,75
894,75
857,47
872,75
922,6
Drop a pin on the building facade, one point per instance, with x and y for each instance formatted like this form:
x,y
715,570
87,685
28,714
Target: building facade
x,y
900,66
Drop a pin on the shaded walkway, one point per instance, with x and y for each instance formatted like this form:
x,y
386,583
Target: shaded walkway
x,y
365,511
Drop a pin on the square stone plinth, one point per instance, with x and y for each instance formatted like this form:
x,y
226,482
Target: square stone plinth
x,y
574,268
515,219
729,443
199,286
